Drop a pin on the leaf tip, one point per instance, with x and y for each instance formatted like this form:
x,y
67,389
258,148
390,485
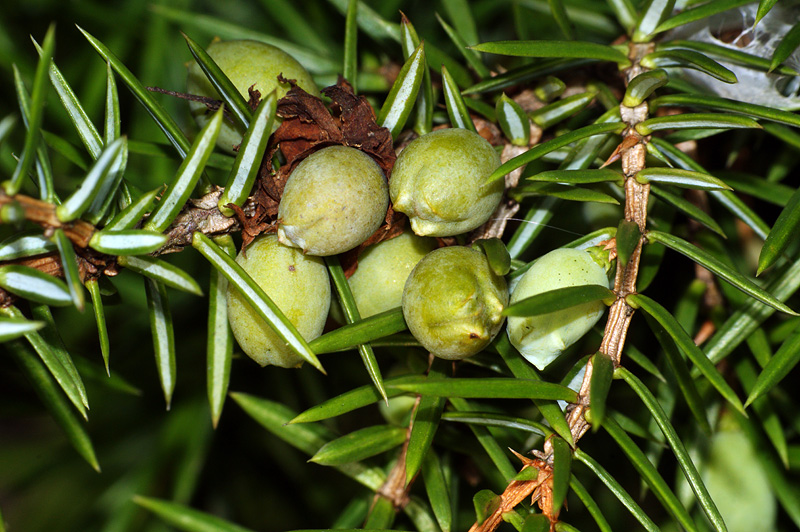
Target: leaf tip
x,y
141,500
740,407
753,396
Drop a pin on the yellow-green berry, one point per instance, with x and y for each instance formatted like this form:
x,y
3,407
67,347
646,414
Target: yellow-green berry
x,y
542,338
439,181
297,284
453,302
383,268
333,201
246,63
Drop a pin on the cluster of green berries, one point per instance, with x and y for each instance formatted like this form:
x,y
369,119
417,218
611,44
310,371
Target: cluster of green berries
x,y
337,197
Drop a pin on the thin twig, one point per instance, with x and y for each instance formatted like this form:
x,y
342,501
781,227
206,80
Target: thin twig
x,y
631,153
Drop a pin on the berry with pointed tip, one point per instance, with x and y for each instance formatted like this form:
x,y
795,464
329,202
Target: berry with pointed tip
x,y
439,181
333,201
542,338
296,283
453,302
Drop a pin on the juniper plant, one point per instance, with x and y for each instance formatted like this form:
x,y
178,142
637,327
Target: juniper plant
x,y
658,135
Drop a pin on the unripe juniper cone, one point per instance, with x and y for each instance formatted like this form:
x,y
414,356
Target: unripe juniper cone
x,y
333,201
452,302
297,283
439,181
246,63
383,268
542,338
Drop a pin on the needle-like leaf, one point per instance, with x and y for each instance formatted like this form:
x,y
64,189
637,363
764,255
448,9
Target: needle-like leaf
x,y
352,315
695,120
560,49
558,299
188,174
688,59
424,424
44,170
513,121
437,490
34,285
410,41
706,260
186,518
650,475
34,122
678,448
764,7
233,100
127,241
69,264
353,400
360,332
55,358
700,12
101,172
100,317
777,368
161,117
489,388
402,97
602,374
133,213
618,491
462,43
782,233
680,178
681,373
723,104
559,142
219,351
248,158
456,107
161,271
559,110
652,16
642,86
687,345
359,445
163,335
562,470
11,328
